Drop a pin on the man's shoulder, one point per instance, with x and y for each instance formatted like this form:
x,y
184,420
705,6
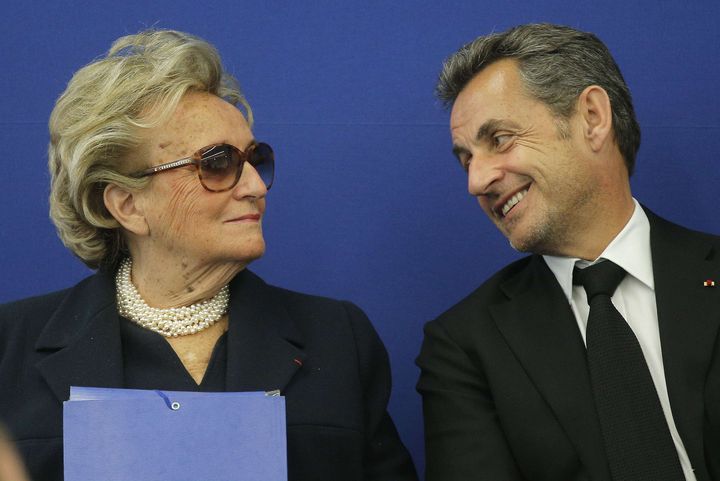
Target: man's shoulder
x,y
490,292
666,228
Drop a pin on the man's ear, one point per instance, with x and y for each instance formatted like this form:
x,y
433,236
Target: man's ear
x,y
124,206
596,114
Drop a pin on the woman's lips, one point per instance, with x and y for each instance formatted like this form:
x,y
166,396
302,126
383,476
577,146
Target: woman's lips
x,y
245,218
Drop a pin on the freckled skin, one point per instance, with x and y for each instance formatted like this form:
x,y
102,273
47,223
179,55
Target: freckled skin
x,y
527,151
190,249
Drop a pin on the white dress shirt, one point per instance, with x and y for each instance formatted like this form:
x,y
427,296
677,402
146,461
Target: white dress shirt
x,y
634,299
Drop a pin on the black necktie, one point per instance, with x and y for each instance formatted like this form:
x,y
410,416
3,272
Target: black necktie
x,y
637,439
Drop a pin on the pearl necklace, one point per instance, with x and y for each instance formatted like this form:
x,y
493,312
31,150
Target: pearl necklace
x,y
170,322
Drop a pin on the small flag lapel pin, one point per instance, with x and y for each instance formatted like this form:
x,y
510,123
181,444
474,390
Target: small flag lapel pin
x,y
709,283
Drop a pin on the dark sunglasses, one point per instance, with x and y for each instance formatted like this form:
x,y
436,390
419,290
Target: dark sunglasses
x,y
219,166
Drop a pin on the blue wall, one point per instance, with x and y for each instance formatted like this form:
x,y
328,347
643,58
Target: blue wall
x,y
368,204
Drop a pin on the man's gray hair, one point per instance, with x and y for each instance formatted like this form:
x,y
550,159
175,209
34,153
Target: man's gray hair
x,y
556,64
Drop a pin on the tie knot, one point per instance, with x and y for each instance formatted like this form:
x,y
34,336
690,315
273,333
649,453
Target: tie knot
x,y
601,278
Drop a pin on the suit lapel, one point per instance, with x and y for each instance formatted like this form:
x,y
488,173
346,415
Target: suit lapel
x,y
540,328
84,334
265,350
689,322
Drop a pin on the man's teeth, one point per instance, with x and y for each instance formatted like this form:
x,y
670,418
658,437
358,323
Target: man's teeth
x,y
511,203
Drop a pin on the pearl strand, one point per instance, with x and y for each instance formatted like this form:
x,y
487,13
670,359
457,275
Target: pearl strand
x,y
170,322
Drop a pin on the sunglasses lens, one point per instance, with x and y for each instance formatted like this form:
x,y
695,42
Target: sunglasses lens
x,y
262,158
218,166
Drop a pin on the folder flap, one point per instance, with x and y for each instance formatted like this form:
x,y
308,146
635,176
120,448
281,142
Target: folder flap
x,y
78,393
124,435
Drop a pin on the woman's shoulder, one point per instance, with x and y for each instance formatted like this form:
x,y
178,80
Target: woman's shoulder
x,y
32,306
298,300
331,326
311,310
36,310
22,321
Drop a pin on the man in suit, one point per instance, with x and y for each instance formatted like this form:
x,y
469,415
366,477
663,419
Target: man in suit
x,y
533,377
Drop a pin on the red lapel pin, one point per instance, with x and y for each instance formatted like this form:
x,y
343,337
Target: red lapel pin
x,y
709,283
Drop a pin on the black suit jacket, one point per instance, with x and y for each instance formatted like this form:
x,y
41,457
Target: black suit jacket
x,y
322,354
506,391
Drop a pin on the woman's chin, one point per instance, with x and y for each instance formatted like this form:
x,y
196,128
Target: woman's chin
x,y
251,252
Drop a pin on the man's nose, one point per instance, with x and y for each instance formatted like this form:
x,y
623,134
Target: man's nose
x,y
483,172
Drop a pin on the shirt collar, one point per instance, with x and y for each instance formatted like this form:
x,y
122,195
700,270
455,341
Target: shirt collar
x,y
630,249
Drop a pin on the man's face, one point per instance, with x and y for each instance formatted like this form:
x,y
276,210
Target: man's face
x,y
534,183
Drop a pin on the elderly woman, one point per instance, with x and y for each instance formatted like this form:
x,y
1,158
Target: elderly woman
x,y
158,182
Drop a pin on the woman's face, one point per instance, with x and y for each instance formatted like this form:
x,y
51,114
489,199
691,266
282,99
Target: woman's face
x,y
186,222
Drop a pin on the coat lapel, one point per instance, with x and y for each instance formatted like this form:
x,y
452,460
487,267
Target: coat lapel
x,y
689,321
265,349
83,336
540,328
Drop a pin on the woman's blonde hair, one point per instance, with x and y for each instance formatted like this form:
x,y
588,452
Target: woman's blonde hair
x,y
96,127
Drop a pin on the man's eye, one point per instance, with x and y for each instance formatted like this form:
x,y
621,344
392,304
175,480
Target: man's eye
x,y
501,140
465,161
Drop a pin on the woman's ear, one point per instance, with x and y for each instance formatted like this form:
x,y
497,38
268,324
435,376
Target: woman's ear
x,y
125,207
596,113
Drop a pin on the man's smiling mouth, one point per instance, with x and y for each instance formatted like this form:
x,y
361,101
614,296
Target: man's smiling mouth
x,y
511,202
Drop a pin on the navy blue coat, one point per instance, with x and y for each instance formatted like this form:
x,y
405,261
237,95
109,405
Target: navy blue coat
x,y
336,395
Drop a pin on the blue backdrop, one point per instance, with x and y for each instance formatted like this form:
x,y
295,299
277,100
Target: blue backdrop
x,y
368,204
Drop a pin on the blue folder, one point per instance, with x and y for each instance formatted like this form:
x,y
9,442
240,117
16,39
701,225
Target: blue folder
x,y
136,435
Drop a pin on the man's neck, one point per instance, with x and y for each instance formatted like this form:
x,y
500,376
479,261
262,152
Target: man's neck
x,y
602,227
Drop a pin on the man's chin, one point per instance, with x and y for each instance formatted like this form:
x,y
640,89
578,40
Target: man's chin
x,y
528,236
524,242
520,247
